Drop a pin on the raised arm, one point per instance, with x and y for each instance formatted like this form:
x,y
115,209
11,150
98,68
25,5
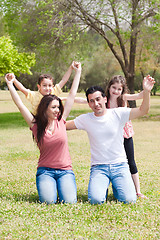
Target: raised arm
x,y
130,97
66,76
72,93
70,125
22,108
11,77
79,100
148,84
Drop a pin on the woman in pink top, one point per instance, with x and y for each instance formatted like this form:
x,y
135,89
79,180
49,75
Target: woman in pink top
x,y
54,171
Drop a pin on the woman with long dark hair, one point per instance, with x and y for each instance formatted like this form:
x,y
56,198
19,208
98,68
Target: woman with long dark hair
x,y
54,171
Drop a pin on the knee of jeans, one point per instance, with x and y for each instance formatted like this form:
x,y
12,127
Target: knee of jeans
x,y
69,200
130,199
73,201
96,200
47,200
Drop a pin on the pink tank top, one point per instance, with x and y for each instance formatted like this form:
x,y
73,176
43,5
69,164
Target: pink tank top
x,y
54,151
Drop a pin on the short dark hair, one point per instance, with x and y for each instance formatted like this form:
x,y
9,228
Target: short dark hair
x,y
94,89
42,76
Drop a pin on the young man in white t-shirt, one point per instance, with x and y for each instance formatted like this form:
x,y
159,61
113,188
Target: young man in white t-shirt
x,y
105,131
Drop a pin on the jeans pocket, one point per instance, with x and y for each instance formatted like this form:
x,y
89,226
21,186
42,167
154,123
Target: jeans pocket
x,y
40,171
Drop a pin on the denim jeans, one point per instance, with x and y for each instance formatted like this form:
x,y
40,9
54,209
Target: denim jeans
x,y
120,177
51,181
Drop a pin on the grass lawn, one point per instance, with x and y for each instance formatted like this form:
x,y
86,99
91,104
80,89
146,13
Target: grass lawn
x,y
21,215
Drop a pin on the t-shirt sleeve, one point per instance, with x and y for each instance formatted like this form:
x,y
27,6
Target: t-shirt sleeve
x,y
80,121
123,113
57,90
30,95
34,130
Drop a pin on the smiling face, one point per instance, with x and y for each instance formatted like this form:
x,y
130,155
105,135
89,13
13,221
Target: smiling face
x,y
115,90
53,110
97,103
45,87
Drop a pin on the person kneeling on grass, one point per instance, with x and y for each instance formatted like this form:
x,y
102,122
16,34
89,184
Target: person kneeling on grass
x,y
105,131
54,172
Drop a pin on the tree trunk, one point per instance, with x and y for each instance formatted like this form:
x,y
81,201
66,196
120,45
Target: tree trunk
x,y
130,83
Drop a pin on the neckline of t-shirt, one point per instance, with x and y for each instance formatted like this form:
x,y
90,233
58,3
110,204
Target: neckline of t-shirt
x,y
100,117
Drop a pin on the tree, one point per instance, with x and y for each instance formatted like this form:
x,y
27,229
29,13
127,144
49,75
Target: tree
x,y
13,61
119,23
36,26
148,57
46,27
54,38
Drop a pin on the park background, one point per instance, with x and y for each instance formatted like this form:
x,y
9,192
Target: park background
x,y
21,215
109,37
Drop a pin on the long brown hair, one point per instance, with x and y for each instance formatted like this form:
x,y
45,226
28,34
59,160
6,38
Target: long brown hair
x,y
117,79
41,118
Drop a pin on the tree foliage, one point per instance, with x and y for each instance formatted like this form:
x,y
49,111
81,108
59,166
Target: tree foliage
x,y
148,52
13,61
57,41
59,31
119,23
37,26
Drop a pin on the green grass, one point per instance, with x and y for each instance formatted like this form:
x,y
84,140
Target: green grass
x,y
11,120
23,217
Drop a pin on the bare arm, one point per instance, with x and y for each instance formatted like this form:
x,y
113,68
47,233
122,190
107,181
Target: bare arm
x,y
70,125
21,87
79,100
70,99
66,76
130,97
148,84
11,77
22,108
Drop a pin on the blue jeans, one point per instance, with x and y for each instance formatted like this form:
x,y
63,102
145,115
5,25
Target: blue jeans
x,y
120,177
51,181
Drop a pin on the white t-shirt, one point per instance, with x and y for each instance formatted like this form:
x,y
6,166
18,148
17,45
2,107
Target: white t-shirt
x,y
105,135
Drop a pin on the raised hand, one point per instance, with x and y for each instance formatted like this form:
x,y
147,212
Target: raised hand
x,y
148,83
76,65
10,77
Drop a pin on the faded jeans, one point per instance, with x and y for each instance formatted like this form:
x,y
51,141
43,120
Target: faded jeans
x,y
120,177
51,181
